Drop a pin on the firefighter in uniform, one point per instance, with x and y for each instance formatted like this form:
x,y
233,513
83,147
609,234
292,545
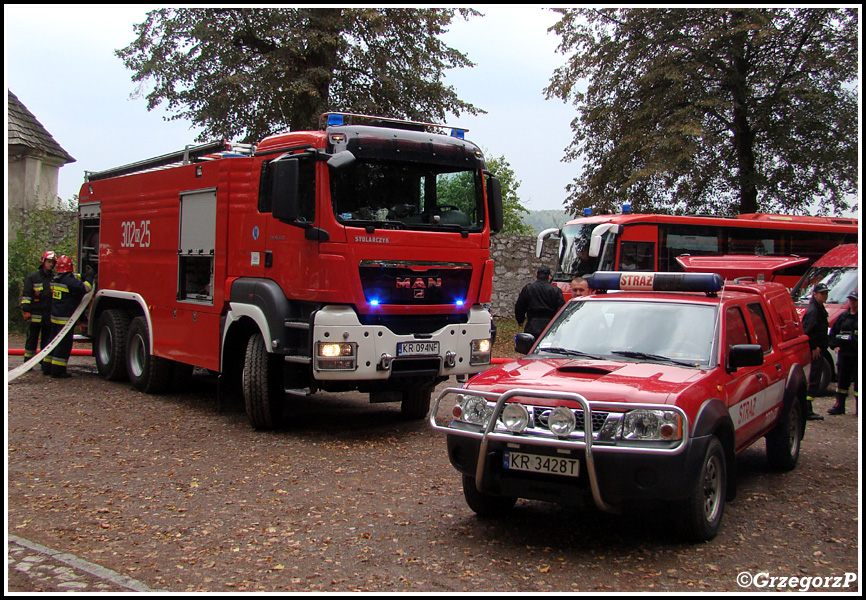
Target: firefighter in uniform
x,y
36,306
538,302
843,337
817,327
67,290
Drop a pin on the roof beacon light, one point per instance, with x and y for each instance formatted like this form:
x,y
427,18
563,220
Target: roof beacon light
x,y
458,133
587,212
708,283
335,120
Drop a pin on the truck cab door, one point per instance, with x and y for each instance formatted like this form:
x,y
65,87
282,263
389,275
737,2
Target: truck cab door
x,y
744,391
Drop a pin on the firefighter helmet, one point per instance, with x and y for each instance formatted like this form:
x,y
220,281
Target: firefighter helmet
x,y
64,264
48,256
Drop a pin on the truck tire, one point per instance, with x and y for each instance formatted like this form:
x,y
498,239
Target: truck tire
x,y
109,344
262,385
783,442
416,403
700,515
148,373
485,505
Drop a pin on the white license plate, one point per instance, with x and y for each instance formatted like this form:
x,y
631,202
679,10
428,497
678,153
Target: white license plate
x,y
418,349
536,463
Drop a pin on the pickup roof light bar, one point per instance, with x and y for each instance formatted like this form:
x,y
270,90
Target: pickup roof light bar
x,y
708,283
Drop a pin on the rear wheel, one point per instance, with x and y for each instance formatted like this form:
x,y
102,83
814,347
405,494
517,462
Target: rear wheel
x,y
700,516
109,344
262,385
783,442
483,504
148,373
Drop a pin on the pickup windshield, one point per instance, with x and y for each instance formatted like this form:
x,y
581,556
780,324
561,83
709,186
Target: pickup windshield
x,y
407,195
644,331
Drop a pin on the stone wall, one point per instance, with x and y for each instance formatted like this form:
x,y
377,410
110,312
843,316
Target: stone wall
x,y
515,265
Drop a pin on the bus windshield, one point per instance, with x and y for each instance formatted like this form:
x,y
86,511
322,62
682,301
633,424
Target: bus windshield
x,y
841,281
574,258
407,195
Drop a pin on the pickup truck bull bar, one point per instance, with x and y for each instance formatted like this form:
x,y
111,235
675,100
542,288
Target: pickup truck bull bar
x,y
495,431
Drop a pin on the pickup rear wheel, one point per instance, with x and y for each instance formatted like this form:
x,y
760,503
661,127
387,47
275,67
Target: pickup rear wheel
x,y
783,442
700,517
262,385
148,373
485,505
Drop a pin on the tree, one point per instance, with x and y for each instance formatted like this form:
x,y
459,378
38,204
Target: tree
x,y
251,72
719,111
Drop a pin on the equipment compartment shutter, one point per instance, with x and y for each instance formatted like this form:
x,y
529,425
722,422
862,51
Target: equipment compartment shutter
x,y
198,223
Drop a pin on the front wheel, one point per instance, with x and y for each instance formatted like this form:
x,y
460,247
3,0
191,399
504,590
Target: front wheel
x,y
262,385
483,504
700,515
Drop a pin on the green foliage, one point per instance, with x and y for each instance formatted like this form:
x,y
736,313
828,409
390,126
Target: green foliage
x,y
511,207
34,232
705,110
252,72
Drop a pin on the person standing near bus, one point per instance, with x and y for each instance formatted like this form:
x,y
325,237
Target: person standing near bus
x,y
817,327
843,337
538,302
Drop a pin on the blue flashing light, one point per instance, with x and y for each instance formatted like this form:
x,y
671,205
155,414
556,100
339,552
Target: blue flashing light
x,y
335,120
587,212
626,209
708,283
374,302
459,303
458,133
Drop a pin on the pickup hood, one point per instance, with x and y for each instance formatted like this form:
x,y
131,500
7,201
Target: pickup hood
x,y
599,381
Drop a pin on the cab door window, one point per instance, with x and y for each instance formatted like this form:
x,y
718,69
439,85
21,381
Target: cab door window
x,y
759,325
735,327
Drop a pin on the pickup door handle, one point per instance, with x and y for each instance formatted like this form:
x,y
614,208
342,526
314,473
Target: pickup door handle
x,y
760,376
778,367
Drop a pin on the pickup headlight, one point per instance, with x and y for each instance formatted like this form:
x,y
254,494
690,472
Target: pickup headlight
x,y
652,425
472,409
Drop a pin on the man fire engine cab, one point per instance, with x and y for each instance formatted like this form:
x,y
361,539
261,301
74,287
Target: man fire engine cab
x,y
673,376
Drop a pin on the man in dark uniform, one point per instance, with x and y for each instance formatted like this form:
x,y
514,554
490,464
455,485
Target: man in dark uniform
x,y
36,306
538,302
817,327
67,290
843,337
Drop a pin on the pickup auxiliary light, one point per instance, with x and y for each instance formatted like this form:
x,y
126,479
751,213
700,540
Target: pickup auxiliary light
x,y
708,283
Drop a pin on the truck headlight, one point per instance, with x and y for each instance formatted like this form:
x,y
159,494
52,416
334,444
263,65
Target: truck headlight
x,y
515,417
472,409
336,356
480,352
652,425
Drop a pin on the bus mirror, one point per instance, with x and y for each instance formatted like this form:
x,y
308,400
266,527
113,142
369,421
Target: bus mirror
x,y
341,159
595,240
494,204
284,189
539,243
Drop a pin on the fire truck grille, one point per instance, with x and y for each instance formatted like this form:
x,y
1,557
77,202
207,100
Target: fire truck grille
x,y
415,283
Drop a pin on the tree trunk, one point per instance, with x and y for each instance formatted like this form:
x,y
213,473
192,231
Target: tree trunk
x,y
323,45
744,137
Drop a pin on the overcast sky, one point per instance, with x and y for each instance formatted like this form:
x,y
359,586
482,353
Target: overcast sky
x,y
60,63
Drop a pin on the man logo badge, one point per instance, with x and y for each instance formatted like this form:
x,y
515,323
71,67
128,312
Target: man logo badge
x,y
418,285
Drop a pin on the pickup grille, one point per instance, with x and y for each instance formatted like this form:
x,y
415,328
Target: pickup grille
x,y
541,414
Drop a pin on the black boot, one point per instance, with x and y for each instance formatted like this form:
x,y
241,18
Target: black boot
x,y
839,407
811,415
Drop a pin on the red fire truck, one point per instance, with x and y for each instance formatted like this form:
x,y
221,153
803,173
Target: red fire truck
x,y
355,257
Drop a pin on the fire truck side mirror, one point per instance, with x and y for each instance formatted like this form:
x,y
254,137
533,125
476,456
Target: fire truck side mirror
x,y
284,189
341,159
494,204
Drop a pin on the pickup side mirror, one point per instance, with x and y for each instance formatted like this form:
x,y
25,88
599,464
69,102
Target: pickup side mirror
x,y
494,204
284,189
523,342
745,355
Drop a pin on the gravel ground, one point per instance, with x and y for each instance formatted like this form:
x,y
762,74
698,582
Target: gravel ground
x,y
349,497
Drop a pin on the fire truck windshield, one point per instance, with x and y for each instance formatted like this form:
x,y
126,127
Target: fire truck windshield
x,y
407,195
574,258
841,281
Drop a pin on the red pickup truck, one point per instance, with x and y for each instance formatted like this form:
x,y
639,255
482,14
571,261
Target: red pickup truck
x,y
677,373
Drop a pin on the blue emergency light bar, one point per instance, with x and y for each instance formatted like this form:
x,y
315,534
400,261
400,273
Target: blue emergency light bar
x,y
335,120
641,281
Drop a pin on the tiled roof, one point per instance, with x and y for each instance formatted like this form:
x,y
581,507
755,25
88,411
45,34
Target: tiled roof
x,y
25,130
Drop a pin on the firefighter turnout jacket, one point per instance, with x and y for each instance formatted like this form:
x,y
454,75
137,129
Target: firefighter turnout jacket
x,y
67,290
36,298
